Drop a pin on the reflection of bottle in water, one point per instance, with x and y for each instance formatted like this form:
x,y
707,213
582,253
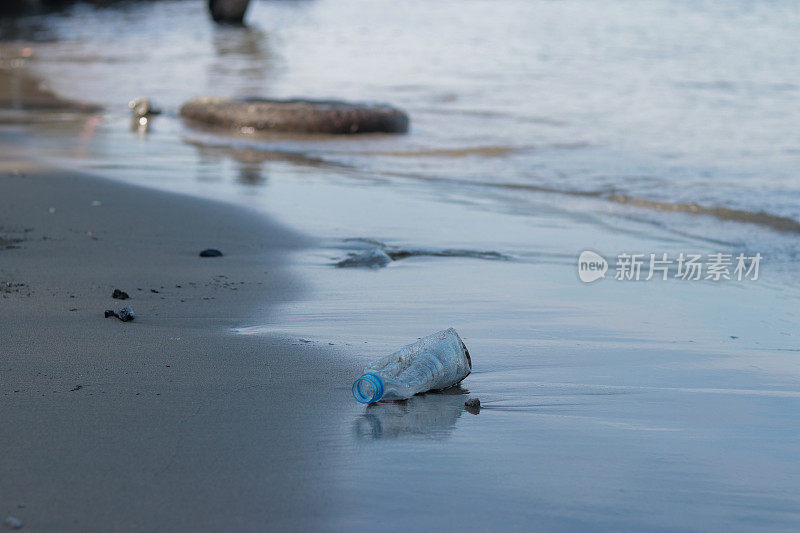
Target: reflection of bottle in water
x,y
434,362
432,416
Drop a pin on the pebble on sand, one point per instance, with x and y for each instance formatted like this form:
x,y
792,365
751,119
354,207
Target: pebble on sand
x,y
125,314
13,522
210,252
119,295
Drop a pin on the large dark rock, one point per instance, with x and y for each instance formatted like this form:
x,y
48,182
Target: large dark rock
x,y
295,116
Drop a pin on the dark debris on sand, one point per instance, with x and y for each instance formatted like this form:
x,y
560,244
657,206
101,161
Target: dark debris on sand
x,y
8,288
125,314
11,237
13,522
119,295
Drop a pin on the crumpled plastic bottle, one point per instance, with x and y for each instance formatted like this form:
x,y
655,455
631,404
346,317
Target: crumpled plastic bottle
x,y
435,362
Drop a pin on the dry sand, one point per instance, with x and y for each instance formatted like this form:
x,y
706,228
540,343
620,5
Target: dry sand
x,y
170,420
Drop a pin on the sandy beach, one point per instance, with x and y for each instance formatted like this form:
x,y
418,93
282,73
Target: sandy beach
x,y
175,422
169,421
538,131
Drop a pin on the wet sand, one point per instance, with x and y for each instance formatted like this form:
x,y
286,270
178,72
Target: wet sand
x,y
170,420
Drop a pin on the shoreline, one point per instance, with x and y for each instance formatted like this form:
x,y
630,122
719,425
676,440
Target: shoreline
x,y
160,422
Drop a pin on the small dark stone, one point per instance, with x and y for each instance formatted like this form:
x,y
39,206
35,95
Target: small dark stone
x,y
210,252
126,314
119,295
13,522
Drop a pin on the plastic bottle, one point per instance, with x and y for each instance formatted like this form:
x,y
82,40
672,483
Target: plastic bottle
x,y
434,362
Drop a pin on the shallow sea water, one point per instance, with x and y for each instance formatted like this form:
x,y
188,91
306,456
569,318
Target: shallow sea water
x,y
537,128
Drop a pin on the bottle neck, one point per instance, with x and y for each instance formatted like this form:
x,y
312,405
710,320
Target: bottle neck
x,y
368,388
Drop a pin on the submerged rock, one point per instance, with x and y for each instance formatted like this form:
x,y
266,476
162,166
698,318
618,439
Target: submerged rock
x,y
210,252
400,253
381,255
295,116
473,402
473,406
374,258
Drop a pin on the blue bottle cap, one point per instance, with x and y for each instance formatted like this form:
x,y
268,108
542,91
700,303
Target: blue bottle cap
x,y
368,388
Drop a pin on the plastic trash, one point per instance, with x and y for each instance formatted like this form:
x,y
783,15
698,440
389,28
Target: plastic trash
x,y
434,362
